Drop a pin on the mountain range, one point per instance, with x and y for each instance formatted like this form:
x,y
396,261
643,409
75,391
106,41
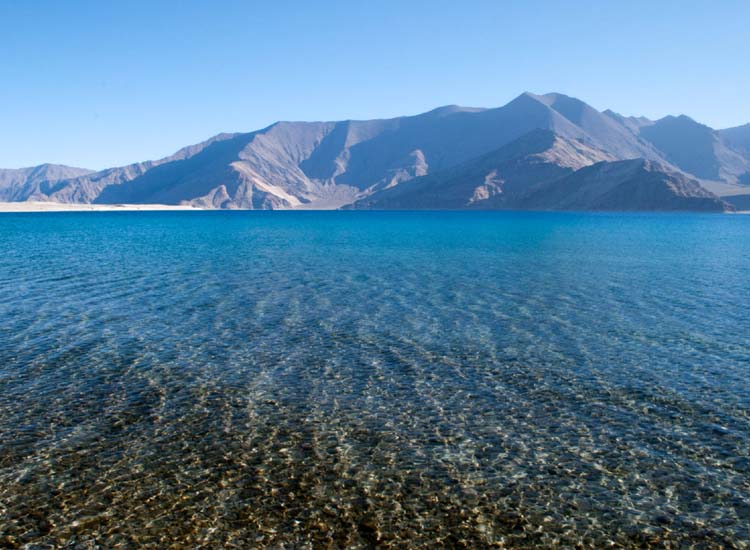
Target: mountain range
x,y
550,152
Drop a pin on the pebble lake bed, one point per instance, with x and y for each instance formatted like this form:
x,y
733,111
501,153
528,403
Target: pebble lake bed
x,y
217,379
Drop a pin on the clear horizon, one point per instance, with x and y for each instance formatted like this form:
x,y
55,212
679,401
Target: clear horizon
x,y
97,86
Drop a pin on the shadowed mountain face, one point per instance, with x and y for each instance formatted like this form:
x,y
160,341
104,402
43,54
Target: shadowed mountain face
x,y
695,148
494,180
738,138
740,202
334,164
600,130
543,171
623,185
33,183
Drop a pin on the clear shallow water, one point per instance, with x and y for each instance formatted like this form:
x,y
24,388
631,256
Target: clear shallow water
x,y
360,379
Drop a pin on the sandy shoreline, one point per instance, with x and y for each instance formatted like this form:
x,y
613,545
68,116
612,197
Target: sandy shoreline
x,y
40,206
60,207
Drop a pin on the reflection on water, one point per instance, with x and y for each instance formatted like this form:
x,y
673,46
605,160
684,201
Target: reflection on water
x,y
314,380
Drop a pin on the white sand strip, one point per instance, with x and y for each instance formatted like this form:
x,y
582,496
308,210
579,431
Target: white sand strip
x,y
40,206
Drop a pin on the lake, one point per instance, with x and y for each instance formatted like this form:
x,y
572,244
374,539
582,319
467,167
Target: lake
x,y
362,379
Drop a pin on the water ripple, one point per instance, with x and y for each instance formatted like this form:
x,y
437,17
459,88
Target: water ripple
x,y
316,380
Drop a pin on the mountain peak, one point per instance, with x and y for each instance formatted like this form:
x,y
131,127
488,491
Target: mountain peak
x,y
570,107
739,139
557,96
681,120
446,110
525,97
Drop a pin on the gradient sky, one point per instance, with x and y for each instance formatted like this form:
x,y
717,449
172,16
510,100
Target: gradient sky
x,y
99,83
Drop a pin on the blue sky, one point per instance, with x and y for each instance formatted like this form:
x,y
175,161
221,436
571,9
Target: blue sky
x,y
98,84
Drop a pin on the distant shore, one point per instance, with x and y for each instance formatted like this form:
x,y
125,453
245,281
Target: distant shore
x,y
44,206
40,206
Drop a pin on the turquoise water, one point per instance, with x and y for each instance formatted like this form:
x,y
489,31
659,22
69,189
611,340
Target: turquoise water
x,y
361,379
